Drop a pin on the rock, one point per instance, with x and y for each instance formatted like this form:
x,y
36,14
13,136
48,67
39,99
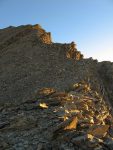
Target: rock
x,y
72,53
99,131
60,95
46,91
72,124
43,105
82,138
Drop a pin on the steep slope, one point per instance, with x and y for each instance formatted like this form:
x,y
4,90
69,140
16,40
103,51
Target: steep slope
x,y
25,60
50,96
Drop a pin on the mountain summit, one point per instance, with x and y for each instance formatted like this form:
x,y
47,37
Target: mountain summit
x,y
51,97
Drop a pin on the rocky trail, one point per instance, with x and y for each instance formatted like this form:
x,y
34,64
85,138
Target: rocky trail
x,y
51,97
77,119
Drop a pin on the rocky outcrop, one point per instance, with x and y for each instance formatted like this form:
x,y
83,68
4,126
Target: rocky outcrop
x,y
50,96
44,36
72,53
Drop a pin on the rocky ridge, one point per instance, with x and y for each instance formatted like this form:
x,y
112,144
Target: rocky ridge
x,y
51,97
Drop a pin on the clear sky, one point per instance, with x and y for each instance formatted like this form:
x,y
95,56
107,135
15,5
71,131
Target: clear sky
x,y
87,22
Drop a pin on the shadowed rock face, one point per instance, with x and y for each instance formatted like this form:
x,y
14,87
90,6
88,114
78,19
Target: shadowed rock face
x,y
50,97
106,74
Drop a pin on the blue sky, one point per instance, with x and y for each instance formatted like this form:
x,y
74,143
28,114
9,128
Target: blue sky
x,y
87,22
